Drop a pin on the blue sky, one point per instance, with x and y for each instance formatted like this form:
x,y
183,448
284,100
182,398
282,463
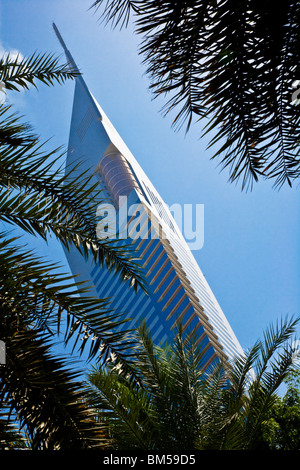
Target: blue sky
x,y
250,255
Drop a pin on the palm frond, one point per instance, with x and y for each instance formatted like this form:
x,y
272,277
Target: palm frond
x,y
46,397
229,65
13,132
37,293
124,408
10,436
42,199
37,300
117,11
19,73
175,404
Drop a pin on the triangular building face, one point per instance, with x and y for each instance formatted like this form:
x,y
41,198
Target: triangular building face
x,y
178,290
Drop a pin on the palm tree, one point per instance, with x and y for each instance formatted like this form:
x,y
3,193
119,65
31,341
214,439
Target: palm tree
x,y
281,429
40,390
173,405
230,64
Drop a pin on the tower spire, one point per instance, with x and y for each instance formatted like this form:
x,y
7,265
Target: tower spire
x,y
70,59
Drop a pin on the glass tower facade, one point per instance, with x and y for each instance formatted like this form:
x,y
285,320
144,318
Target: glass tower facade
x,y
177,289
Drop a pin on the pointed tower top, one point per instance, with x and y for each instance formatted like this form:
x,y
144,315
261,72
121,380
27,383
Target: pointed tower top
x,y
72,64
70,59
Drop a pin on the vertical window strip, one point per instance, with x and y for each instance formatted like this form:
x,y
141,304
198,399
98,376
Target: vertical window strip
x,y
137,317
175,308
164,279
159,271
146,240
173,296
123,295
138,221
133,300
106,281
94,270
155,320
146,248
189,320
131,313
181,315
158,246
100,276
155,335
170,284
162,253
113,284
210,360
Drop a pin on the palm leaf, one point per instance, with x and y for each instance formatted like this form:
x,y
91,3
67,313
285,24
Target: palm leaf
x,y
46,397
38,293
19,73
230,65
39,197
37,300
173,404
117,11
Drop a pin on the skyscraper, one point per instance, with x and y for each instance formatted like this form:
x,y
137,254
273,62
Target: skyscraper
x,y
178,291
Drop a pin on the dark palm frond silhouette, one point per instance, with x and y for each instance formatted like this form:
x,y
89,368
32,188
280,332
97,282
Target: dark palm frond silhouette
x,y
231,65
